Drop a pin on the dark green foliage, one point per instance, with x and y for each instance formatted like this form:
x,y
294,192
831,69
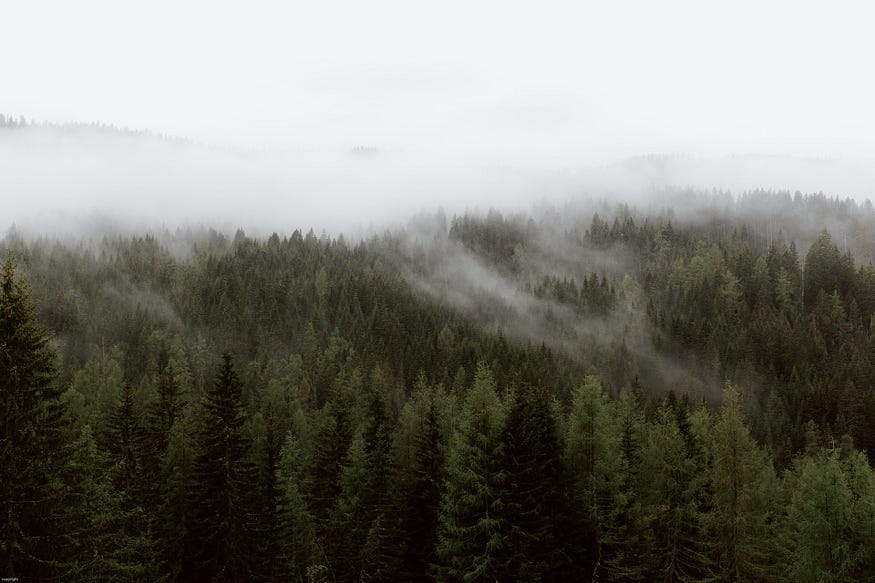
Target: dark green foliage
x,y
165,498
470,531
297,542
829,533
33,448
269,527
173,516
354,446
107,528
379,556
123,438
537,503
743,484
331,444
626,539
224,487
362,537
421,495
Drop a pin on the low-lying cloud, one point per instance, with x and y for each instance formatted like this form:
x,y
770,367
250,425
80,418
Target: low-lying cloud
x,y
55,180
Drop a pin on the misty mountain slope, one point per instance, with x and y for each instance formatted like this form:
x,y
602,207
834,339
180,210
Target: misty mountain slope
x,y
680,300
263,299
364,388
718,289
457,293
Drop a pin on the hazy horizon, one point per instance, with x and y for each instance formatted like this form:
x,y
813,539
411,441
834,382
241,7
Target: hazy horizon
x,y
569,84
70,180
466,106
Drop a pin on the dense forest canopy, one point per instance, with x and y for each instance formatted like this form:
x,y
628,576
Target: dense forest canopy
x,y
679,391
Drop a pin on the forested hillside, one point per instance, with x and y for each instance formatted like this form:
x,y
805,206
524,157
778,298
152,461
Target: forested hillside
x,y
677,392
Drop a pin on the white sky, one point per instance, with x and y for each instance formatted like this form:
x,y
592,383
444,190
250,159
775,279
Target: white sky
x,y
537,83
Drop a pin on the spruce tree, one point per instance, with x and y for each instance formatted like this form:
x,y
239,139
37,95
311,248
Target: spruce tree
x,y
297,542
537,508
331,450
675,498
470,527
421,497
591,465
225,484
174,514
32,440
626,543
108,535
818,516
269,525
743,486
165,472
332,441
123,438
379,558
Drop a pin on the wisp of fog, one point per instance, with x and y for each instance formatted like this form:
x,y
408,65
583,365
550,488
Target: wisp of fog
x,y
56,180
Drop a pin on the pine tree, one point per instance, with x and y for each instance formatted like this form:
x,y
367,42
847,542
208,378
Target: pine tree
x,y
269,527
164,412
379,559
861,523
225,484
164,468
325,477
743,484
108,537
536,506
343,536
123,438
174,513
470,528
362,524
32,440
818,516
591,465
626,541
674,498
421,497
297,542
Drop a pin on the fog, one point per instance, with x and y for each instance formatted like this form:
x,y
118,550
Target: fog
x,y
352,118
452,105
71,181
54,180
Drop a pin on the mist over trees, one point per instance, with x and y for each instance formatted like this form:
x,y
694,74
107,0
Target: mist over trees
x,y
595,392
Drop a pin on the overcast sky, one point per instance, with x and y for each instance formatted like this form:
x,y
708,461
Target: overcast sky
x,y
538,83
448,91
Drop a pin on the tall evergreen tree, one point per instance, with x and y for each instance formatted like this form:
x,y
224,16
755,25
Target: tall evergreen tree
x,y
165,472
298,536
123,438
536,508
744,486
325,484
674,498
379,558
107,527
174,517
422,495
225,484
591,464
626,541
470,527
818,516
269,526
32,439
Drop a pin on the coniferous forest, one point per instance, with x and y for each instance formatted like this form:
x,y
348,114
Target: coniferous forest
x,y
596,392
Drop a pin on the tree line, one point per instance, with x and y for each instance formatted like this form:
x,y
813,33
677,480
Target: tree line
x,y
293,409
